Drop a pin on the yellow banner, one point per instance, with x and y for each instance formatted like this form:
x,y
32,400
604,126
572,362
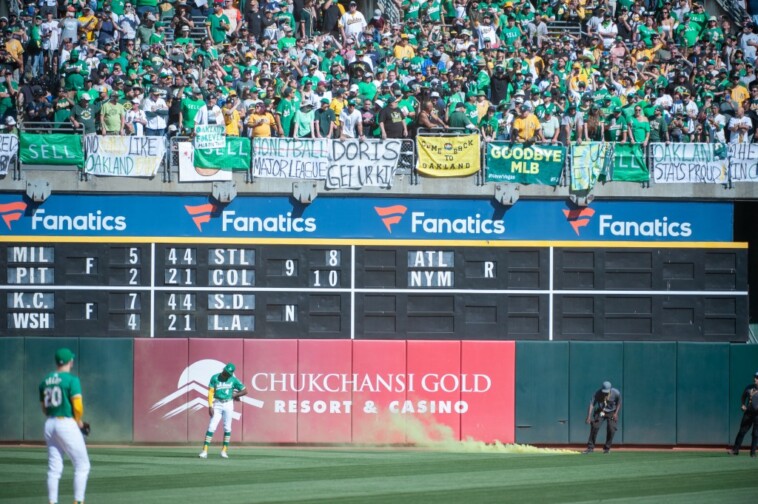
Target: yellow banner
x,y
452,156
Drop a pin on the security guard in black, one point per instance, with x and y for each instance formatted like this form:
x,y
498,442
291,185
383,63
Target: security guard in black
x,y
749,405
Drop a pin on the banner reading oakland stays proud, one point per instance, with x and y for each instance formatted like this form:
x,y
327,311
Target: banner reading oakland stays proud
x,y
449,156
524,164
51,149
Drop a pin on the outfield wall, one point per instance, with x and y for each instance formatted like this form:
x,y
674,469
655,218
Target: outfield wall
x,y
675,393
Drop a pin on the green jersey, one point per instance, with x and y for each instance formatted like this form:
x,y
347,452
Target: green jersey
x,y
224,390
189,109
286,110
218,33
56,392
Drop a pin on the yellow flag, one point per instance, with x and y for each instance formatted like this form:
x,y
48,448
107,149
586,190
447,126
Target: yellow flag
x,y
451,156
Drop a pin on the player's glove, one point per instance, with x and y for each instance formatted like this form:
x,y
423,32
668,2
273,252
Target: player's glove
x,y
85,428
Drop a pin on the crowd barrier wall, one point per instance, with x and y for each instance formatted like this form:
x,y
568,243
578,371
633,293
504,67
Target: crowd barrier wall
x,y
154,390
357,164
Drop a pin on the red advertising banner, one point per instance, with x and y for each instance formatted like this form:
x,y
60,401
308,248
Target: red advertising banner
x,y
161,390
268,363
379,384
433,407
208,357
488,387
324,400
329,391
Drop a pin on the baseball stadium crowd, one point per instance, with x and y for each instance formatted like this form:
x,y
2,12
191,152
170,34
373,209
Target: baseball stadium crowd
x,y
633,71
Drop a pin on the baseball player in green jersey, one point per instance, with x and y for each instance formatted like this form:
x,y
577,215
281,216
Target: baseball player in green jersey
x,y
61,396
223,389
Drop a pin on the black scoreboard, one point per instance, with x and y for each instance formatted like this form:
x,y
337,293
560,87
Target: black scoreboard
x,y
363,291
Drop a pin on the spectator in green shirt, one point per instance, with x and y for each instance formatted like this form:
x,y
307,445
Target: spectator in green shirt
x,y
112,116
218,25
639,127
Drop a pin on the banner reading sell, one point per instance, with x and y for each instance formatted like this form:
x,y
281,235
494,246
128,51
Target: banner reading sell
x,y
123,156
629,163
8,152
189,173
689,163
524,164
450,156
590,162
51,149
235,156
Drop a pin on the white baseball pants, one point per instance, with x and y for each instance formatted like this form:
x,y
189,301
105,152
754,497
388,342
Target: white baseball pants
x,y
62,435
221,410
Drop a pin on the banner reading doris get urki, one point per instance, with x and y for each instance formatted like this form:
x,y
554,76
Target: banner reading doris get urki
x,y
333,391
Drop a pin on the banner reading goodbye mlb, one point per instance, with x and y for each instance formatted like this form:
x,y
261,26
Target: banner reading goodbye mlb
x,y
524,164
451,156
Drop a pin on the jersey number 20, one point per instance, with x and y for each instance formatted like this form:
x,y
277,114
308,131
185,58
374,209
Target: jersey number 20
x,y
53,397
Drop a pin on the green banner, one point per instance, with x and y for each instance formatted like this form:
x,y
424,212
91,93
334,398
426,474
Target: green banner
x,y
629,163
51,149
235,156
524,164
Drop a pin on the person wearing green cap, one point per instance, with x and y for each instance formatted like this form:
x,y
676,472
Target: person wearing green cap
x,y
223,389
60,394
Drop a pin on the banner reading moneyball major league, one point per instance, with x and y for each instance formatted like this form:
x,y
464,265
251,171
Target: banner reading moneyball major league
x,y
448,156
51,149
524,164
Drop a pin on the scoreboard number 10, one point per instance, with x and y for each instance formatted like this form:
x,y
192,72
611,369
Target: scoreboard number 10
x,y
329,277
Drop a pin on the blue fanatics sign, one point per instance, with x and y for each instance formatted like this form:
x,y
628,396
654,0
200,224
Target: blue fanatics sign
x,y
357,218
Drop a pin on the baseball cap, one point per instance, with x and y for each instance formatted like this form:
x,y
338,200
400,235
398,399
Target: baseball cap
x,y
63,356
606,386
756,374
325,100
229,368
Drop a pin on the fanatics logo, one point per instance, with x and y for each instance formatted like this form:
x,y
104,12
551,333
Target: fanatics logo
x,y
201,214
12,212
391,215
579,217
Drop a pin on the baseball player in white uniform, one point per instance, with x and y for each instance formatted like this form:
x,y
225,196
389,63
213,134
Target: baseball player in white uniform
x,y
61,396
223,390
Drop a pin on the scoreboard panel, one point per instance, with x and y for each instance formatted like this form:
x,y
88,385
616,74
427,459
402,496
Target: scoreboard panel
x,y
372,290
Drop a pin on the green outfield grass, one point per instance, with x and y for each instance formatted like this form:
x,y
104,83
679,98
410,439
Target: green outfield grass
x,y
176,475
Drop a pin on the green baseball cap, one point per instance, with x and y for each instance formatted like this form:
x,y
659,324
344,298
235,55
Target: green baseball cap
x,y
63,356
229,368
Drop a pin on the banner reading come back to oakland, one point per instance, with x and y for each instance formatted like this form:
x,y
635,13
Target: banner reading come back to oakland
x,y
524,164
448,156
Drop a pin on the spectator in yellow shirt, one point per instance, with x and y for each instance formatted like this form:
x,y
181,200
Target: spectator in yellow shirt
x,y
403,49
739,93
261,121
88,24
526,127
338,103
231,115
